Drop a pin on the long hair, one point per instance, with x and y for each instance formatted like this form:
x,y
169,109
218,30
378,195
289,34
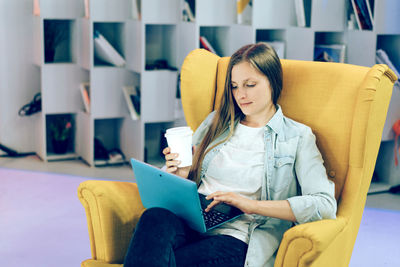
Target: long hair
x,y
264,59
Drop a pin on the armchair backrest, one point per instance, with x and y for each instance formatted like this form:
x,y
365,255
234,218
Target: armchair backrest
x,y
345,105
335,100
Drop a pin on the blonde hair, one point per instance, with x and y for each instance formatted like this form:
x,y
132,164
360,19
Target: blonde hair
x,y
263,58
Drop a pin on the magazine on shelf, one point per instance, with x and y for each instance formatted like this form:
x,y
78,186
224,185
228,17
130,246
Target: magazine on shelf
x,y
188,11
330,53
383,58
132,97
104,51
279,47
85,93
244,11
204,43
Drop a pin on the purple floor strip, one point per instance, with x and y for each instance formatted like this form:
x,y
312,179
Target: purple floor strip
x,y
42,223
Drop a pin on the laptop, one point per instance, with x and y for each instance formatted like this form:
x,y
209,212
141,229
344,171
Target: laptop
x,y
158,188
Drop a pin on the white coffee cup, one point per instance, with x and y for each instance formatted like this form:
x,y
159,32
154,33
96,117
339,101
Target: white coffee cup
x,y
180,141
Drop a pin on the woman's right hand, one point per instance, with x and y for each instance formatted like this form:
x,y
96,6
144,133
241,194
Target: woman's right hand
x,y
172,164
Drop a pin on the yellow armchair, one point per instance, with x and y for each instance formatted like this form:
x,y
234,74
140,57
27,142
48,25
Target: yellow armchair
x,y
346,107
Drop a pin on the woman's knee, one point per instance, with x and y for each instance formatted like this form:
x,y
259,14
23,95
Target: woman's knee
x,y
157,214
158,218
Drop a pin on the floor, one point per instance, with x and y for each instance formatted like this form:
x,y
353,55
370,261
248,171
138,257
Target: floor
x,y
43,224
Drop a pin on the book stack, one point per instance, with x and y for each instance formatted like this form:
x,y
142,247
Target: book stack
x,y
362,11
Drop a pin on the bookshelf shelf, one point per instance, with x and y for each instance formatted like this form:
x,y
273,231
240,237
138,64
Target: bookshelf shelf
x,y
113,32
107,139
217,36
60,136
160,11
272,14
386,17
110,11
58,9
59,38
160,46
215,13
155,142
328,16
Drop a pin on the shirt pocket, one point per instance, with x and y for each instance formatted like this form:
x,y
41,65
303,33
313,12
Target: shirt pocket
x,y
284,173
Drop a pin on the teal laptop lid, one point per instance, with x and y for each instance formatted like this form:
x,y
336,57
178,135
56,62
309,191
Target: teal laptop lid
x,y
158,188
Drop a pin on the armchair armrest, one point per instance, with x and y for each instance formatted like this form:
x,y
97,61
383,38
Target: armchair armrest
x,y
112,211
302,245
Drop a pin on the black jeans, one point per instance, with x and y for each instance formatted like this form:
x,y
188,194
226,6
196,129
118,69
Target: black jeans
x,y
163,239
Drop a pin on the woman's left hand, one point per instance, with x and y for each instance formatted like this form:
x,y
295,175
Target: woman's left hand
x,y
244,204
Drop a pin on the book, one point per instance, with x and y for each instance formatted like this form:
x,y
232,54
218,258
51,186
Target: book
x,y
300,14
364,14
132,98
188,11
244,11
361,13
206,45
136,9
85,93
104,51
330,53
370,7
355,11
87,10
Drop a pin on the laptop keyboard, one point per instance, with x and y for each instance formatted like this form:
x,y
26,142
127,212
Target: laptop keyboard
x,y
214,217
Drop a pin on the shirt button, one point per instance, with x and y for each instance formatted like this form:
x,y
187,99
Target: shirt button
x,y
332,174
268,140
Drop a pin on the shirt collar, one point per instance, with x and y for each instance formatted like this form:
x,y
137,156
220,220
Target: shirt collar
x,y
275,123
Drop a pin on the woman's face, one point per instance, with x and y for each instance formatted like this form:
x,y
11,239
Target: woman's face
x,y
251,90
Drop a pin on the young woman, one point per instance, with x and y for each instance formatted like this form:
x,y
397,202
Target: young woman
x,y
249,155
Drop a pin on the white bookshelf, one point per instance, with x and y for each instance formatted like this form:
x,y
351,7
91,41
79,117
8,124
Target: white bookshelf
x,y
59,73
159,33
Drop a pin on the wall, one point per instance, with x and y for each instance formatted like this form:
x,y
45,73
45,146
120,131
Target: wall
x,y
19,79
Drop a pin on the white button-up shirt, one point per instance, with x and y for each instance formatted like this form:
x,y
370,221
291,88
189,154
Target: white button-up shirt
x,y
293,170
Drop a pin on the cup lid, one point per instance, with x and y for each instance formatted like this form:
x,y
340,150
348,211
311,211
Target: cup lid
x,y
179,130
